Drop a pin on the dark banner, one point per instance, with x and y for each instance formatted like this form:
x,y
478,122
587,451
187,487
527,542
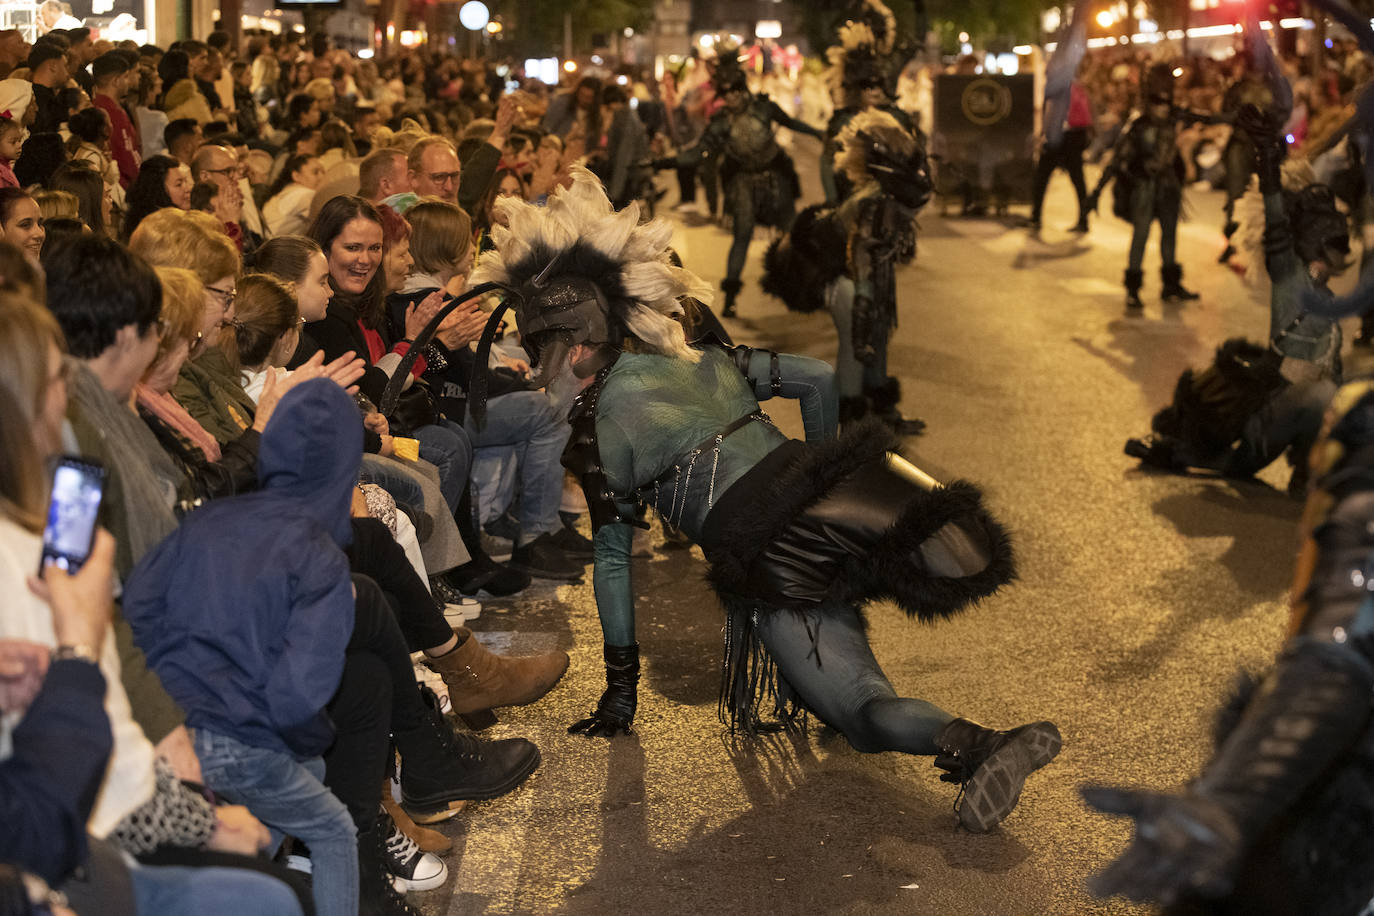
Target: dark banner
x,y
997,109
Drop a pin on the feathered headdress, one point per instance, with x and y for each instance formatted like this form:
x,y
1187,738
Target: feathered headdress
x,y
881,23
728,75
854,62
578,271
874,147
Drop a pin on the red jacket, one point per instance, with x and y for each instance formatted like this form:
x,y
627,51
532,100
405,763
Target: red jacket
x,y
124,141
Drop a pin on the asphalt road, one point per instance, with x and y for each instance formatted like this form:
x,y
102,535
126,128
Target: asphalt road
x,y
1140,597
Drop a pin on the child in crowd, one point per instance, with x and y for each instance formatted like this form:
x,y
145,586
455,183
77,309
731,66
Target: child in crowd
x,y
11,143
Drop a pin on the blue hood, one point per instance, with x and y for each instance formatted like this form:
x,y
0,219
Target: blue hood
x,y
311,451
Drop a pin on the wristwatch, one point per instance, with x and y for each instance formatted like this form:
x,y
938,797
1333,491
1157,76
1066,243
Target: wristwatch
x,y
78,652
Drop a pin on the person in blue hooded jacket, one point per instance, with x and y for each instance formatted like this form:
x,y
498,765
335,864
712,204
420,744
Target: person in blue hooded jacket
x,y
246,612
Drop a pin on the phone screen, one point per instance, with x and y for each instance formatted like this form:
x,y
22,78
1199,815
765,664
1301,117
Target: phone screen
x,y
77,487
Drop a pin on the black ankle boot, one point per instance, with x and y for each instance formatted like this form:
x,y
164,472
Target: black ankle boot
x,y
992,766
1174,290
377,896
731,287
440,765
1133,280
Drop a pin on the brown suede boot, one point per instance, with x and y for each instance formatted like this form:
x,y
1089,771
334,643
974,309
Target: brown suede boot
x,y
479,680
428,840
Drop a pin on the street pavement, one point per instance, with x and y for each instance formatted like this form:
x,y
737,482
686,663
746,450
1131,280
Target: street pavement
x,y
1139,599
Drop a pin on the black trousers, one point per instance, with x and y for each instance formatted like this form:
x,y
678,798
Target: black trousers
x,y
377,696
375,554
1067,155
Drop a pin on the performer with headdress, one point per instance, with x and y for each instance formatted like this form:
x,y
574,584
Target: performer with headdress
x,y
798,535
844,259
759,179
859,80
1256,402
1148,171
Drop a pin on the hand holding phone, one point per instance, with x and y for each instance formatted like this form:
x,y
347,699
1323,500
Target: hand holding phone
x,y
69,533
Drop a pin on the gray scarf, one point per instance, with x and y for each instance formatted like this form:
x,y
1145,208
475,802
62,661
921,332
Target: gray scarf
x,y
141,473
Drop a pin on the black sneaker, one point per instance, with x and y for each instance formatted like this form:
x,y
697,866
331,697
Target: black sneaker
x,y
417,870
484,576
572,543
542,559
991,766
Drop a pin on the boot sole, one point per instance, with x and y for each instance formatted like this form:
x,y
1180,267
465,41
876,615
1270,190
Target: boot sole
x,y
435,815
439,801
995,788
535,572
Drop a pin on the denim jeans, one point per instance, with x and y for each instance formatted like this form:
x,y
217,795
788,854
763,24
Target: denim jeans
x,y
289,797
417,485
527,425
446,446
177,890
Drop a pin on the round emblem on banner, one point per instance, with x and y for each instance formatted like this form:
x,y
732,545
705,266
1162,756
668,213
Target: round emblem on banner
x,y
986,102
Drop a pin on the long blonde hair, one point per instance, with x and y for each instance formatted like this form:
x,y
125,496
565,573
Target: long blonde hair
x,y
26,329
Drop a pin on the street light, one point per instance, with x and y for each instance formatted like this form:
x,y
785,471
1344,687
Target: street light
x,y
474,15
1106,19
494,27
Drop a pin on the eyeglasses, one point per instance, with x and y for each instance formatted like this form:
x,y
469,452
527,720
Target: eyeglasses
x,y
226,296
444,177
227,172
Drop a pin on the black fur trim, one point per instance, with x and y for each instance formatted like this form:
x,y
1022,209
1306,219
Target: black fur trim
x,y
801,485
888,573
889,568
800,265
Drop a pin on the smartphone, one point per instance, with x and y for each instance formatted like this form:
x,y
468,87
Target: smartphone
x,y
77,488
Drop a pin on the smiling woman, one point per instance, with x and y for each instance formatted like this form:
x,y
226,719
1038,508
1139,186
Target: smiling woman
x,y
21,224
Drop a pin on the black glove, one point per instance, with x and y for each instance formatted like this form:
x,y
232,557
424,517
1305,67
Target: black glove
x,y
863,331
616,711
1183,845
1264,130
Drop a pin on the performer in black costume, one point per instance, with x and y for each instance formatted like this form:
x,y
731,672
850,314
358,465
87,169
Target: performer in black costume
x,y
1255,402
844,259
1281,821
798,535
760,181
1148,170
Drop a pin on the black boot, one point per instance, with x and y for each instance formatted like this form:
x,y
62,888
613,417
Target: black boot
x,y
1157,452
884,400
731,287
992,766
1174,290
439,765
377,896
1134,278
615,712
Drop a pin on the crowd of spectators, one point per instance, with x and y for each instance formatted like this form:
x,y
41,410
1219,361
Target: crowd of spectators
x,y
212,260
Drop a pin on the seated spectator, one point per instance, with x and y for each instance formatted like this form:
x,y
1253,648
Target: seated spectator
x,y
162,182
151,121
181,96
183,136
57,205
336,144
94,207
507,183
21,223
90,143
60,231
40,157
349,232
134,801
523,425
287,210
48,73
11,143
110,74
299,261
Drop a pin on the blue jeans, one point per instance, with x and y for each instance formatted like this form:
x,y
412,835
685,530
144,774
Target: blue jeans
x,y
176,890
526,424
288,796
446,446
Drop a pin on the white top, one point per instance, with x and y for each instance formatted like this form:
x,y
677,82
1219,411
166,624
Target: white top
x,y
289,212
129,777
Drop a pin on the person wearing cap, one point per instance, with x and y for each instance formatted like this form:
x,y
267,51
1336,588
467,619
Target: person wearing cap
x,y
48,73
110,73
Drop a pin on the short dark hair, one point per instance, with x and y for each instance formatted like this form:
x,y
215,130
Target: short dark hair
x,y
111,63
97,286
191,47
77,35
176,130
218,39
42,52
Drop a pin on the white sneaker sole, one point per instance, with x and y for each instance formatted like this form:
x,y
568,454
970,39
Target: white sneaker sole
x,y
405,885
